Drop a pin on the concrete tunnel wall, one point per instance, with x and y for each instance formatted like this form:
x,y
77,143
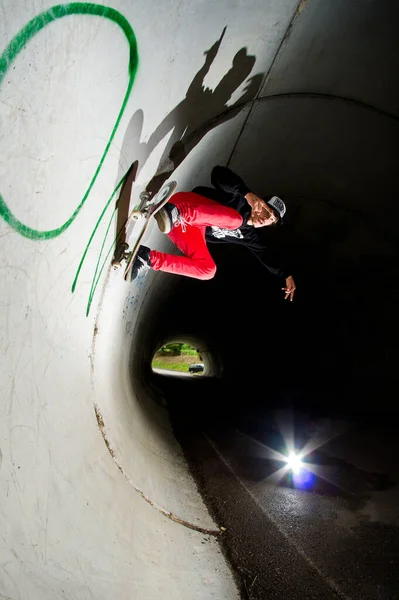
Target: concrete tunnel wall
x,y
97,500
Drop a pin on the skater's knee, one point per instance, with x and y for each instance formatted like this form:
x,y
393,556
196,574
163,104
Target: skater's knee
x,y
179,197
231,219
208,272
237,220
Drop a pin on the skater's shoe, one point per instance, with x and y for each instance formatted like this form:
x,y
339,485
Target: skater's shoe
x,y
141,263
168,217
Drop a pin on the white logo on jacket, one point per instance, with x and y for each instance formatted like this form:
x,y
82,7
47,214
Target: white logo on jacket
x,y
219,233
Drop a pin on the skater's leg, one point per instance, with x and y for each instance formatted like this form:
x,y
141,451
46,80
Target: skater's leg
x,y
197,262
202,212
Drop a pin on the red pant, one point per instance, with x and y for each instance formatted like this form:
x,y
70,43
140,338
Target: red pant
x,y
198,212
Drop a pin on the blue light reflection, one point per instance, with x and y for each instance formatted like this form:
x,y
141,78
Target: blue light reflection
x,y
303,479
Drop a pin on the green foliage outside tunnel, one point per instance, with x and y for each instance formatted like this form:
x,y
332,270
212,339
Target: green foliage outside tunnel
x,y
175,356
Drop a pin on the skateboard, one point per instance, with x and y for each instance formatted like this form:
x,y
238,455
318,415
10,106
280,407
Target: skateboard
x,y
141,215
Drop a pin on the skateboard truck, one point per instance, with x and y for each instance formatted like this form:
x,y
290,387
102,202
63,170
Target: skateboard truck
x,y
121,251
142,209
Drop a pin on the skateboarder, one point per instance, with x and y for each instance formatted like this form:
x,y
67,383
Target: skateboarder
x,y
227,213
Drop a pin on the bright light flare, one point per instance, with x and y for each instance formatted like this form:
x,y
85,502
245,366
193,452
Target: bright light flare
x,y
294,462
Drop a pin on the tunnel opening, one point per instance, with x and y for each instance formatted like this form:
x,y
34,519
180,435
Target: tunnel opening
x,y
180,357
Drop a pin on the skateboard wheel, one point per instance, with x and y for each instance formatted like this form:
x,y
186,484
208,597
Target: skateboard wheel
x,y
136,215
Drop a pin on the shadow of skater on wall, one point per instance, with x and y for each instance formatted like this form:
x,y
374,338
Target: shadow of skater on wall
x,y
199,112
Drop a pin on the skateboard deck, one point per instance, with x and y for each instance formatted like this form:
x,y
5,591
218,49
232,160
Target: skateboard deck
x,y
141,216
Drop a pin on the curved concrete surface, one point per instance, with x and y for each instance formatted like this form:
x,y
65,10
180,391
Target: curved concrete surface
x,y
97,500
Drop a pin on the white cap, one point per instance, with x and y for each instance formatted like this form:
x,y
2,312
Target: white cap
x,y
278,205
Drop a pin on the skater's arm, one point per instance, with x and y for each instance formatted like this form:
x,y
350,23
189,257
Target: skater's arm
x,y
269,261
224,179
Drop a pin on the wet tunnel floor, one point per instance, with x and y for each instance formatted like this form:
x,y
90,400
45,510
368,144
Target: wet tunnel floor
x,y
338,536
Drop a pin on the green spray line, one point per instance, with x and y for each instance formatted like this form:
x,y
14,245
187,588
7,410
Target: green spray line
x,y
94,231
96,277
11,52
97,273
96,280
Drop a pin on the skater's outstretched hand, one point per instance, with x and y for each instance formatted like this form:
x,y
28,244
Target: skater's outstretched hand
x,y
289,288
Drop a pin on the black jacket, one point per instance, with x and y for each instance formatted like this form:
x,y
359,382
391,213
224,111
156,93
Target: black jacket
x,y
230,190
